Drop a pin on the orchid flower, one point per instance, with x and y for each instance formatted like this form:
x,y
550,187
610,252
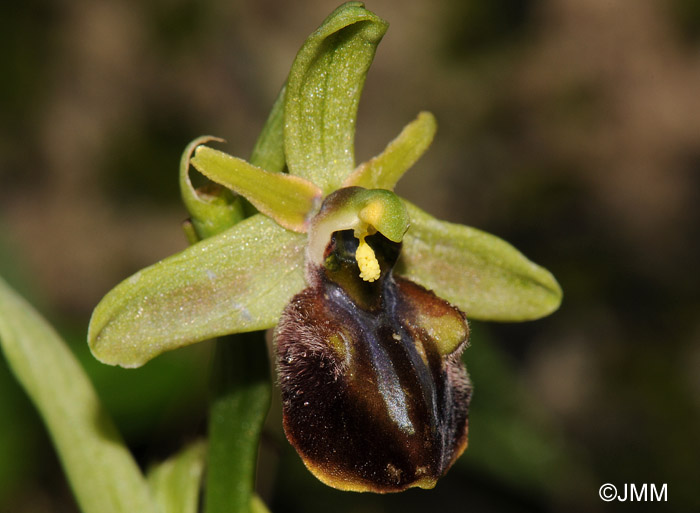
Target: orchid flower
x,y
367,293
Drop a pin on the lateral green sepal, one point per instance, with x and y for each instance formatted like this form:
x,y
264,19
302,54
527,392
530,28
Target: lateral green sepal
x,y
237,281
483,275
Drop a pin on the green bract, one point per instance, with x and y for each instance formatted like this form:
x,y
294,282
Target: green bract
x,y
241,279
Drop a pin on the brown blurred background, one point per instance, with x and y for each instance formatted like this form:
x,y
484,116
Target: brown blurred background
x,y
570,128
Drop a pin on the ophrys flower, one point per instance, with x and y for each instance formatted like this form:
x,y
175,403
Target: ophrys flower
x,y
366,290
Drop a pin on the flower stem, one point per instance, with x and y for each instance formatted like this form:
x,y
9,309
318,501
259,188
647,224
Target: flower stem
x,y
241,398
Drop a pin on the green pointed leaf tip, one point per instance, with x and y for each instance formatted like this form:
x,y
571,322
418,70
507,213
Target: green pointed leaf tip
x,y
212,209
323,92
101,471
176,482
385,170
290,200
257,505
237,281
487,278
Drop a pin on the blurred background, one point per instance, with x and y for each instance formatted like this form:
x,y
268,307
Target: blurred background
x,y
569,128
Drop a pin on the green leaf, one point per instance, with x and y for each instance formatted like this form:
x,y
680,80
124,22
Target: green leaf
x,y
213,209
323,91
384,170
237,281
257,505
104,476
243,388
483,275
289,200
175,483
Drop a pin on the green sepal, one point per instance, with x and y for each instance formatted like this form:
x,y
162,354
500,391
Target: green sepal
x,y
290,200
483,275
237,281
100,469
176,482
384,170
323,91
214,208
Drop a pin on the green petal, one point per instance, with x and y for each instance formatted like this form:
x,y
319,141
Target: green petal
x,y
176,482
384,170
237,281
323,92
103,474
483,275
213,209
289,200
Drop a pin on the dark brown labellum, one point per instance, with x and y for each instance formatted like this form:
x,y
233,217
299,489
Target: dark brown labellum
x,y
375,396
